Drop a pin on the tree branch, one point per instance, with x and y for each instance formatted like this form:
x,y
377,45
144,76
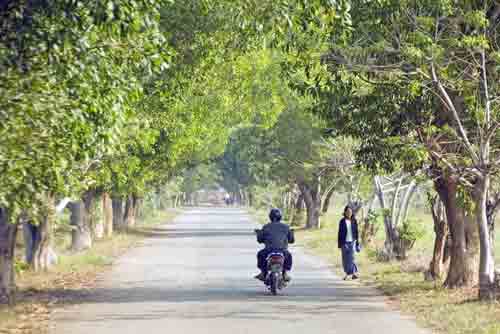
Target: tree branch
x,y
454,111
485,143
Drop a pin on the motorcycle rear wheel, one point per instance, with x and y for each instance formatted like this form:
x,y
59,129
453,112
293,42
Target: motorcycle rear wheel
x,y
274,283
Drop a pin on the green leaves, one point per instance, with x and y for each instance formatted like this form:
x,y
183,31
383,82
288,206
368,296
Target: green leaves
x,y
74,85
476,19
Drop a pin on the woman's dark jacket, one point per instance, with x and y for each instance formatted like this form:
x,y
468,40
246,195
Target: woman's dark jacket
x,y
343,231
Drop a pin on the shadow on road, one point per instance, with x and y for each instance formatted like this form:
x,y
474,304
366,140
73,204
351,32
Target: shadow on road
x,y
309,295
189,233
269,311
301,292
224,212
300,300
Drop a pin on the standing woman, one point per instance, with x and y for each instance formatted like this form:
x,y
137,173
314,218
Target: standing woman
x,y
348,242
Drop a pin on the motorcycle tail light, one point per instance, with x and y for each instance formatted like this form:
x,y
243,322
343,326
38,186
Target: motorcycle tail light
x,y
276,258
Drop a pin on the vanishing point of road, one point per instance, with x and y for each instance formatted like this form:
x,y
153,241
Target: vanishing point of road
x,y
194,276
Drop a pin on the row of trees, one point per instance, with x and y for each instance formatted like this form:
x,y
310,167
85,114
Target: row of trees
x,y
413,87
111,100
423,85
120,97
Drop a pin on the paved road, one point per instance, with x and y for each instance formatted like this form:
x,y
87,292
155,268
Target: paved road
x,y
194,276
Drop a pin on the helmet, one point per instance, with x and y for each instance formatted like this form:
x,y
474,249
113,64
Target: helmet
x,y
275,215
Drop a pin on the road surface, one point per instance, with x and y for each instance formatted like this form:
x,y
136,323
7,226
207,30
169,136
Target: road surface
x,y
194,276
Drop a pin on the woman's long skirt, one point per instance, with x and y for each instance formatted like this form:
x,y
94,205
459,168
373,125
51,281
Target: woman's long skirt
x,y
348,259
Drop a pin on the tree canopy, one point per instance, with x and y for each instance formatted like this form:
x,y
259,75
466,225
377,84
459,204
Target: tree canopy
x,y
130,97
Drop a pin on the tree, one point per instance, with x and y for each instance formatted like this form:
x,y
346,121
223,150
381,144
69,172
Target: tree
x,y
402,187
67,83
442,55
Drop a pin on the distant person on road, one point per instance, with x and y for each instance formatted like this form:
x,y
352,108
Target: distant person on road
x,y
227,199
276,236
348,243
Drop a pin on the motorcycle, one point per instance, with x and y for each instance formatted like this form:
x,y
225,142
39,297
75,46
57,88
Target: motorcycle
x,y
274,280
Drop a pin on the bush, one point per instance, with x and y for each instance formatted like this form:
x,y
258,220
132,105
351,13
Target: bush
x,y
20,267
371,226
409,232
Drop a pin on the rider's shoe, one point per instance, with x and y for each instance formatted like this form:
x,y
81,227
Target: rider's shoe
x,y
286,277
260,277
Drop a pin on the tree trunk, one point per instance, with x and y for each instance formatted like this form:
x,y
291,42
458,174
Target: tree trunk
x,y
158,198
394,211
80,235
82,220
98,220
107,209
30,233
139,208
117,204
89,199
403,245
440,242
44,255
130,211
188,199
487,260
472,242
195,199
135,208
492,208
312,199
242,197
298,215
328,197
236,195
405,203
368,231
389,243
395,246
352,195
463,252
8,233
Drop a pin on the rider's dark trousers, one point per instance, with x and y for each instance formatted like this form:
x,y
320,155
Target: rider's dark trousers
x,y
262,256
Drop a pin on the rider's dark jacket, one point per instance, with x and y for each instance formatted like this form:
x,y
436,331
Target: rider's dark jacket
x,y
276,235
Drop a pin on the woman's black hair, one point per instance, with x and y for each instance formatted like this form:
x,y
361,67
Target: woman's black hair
x,y
349,207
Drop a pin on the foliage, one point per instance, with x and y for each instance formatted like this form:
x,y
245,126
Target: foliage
x,y
411,230
69,85
374,218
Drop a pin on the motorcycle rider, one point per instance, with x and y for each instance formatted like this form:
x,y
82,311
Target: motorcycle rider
x,y
276,236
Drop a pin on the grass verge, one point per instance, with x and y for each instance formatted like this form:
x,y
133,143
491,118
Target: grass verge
x,y
75,274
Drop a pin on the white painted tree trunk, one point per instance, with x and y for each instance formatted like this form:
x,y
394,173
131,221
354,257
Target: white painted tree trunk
x,y
44,256
486,259
107,208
